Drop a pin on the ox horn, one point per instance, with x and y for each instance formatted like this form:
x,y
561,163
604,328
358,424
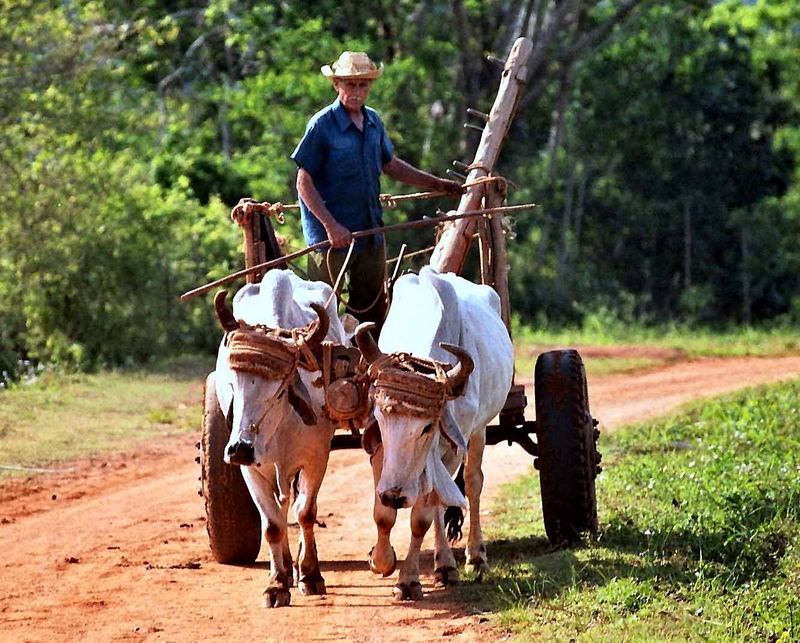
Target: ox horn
x,y
314,339
224,314
366,342
457,376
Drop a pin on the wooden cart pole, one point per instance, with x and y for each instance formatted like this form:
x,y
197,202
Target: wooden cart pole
x,y
254,252
495,196
451,251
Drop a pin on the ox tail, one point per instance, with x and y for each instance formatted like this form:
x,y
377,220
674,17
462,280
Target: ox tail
x,y
454,516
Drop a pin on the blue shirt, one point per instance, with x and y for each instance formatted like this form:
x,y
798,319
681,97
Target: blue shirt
x,y
345,165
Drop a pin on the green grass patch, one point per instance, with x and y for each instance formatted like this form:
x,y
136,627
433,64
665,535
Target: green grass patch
x,y
606,330
700,535
596,365
60,417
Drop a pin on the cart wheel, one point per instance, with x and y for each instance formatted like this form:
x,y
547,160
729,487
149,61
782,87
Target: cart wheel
x,y
568,461
232,520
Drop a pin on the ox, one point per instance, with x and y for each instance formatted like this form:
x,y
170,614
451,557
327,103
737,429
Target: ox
x,y
424,441
278,427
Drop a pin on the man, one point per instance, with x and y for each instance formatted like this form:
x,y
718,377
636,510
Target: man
x,y
340,158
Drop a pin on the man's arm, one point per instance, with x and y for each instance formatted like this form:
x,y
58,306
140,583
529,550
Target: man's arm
x,y
406,173
338,235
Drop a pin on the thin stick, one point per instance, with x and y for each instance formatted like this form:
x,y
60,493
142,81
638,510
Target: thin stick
x,y
201,290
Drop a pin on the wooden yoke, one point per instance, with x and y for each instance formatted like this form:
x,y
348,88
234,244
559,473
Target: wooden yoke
x,y
451,251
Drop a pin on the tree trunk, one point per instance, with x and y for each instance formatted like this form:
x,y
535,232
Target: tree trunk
x,y
687,243
747,296
559,119
580,200
566,218
469,76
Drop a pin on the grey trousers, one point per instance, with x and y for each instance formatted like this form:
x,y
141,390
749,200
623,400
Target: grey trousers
x,y
365,278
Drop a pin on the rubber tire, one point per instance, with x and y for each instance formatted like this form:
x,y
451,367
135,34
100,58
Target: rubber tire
x,y
232,519
567,459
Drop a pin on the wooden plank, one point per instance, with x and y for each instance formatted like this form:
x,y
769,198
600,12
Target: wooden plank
x,y
451,251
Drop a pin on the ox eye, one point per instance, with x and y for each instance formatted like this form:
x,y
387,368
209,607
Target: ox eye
x,y
427,429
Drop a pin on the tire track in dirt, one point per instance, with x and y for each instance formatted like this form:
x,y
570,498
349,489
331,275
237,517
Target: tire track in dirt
x,y
115,548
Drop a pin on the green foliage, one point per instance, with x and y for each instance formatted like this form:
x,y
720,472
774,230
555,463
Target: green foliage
x,y
129,131
700,534
683,202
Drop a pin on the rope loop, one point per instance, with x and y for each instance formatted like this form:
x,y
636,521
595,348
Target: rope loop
x,y
388,200
410,385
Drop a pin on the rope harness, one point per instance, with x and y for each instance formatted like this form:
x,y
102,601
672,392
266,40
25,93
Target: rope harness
x,y
276,354
346,385
260,351
410,385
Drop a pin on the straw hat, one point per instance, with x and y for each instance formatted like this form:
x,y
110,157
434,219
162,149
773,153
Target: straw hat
x,y
353,64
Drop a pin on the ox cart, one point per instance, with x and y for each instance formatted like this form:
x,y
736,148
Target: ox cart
x,y
563,437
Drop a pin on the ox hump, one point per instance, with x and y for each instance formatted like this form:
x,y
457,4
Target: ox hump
x,y
283,300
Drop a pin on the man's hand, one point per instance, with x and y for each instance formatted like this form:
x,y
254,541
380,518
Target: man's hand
x,y
338,235
450,188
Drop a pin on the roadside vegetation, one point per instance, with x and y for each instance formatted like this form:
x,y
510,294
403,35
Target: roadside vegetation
x,y
609,344
699,540
54,415
60,417
131,129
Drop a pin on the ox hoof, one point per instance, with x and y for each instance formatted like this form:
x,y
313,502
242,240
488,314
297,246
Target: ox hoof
x,y
479,567
408,591
445,576
277,597
383,570
312,585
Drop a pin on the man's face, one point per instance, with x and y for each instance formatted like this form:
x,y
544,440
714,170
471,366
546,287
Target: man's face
x,y
352,92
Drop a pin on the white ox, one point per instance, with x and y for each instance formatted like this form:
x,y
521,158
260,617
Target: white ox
x,y
427,311
278,427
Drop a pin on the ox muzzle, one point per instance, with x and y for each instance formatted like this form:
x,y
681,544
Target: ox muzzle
x,y
241,452
394,498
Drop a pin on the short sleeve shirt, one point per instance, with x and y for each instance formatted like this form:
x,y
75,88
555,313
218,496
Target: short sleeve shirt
x,y
345,165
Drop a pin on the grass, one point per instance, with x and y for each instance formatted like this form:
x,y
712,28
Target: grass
x,y
596,365
61,417
605,330
619,347
700,535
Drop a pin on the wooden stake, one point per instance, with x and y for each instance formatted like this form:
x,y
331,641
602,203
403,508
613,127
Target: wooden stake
x,y
494,198
451,251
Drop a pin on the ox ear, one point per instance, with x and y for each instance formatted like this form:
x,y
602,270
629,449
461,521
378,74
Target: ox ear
x,y
224,314
301,402
444,486
452,432
371,439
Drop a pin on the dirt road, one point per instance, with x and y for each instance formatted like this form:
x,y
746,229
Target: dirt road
x,y
115,549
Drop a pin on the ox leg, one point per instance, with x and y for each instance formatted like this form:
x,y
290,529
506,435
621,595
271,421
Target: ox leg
x,y
273,512
408,587
287,557
309,578
445,570
382,557
277,592
473,485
